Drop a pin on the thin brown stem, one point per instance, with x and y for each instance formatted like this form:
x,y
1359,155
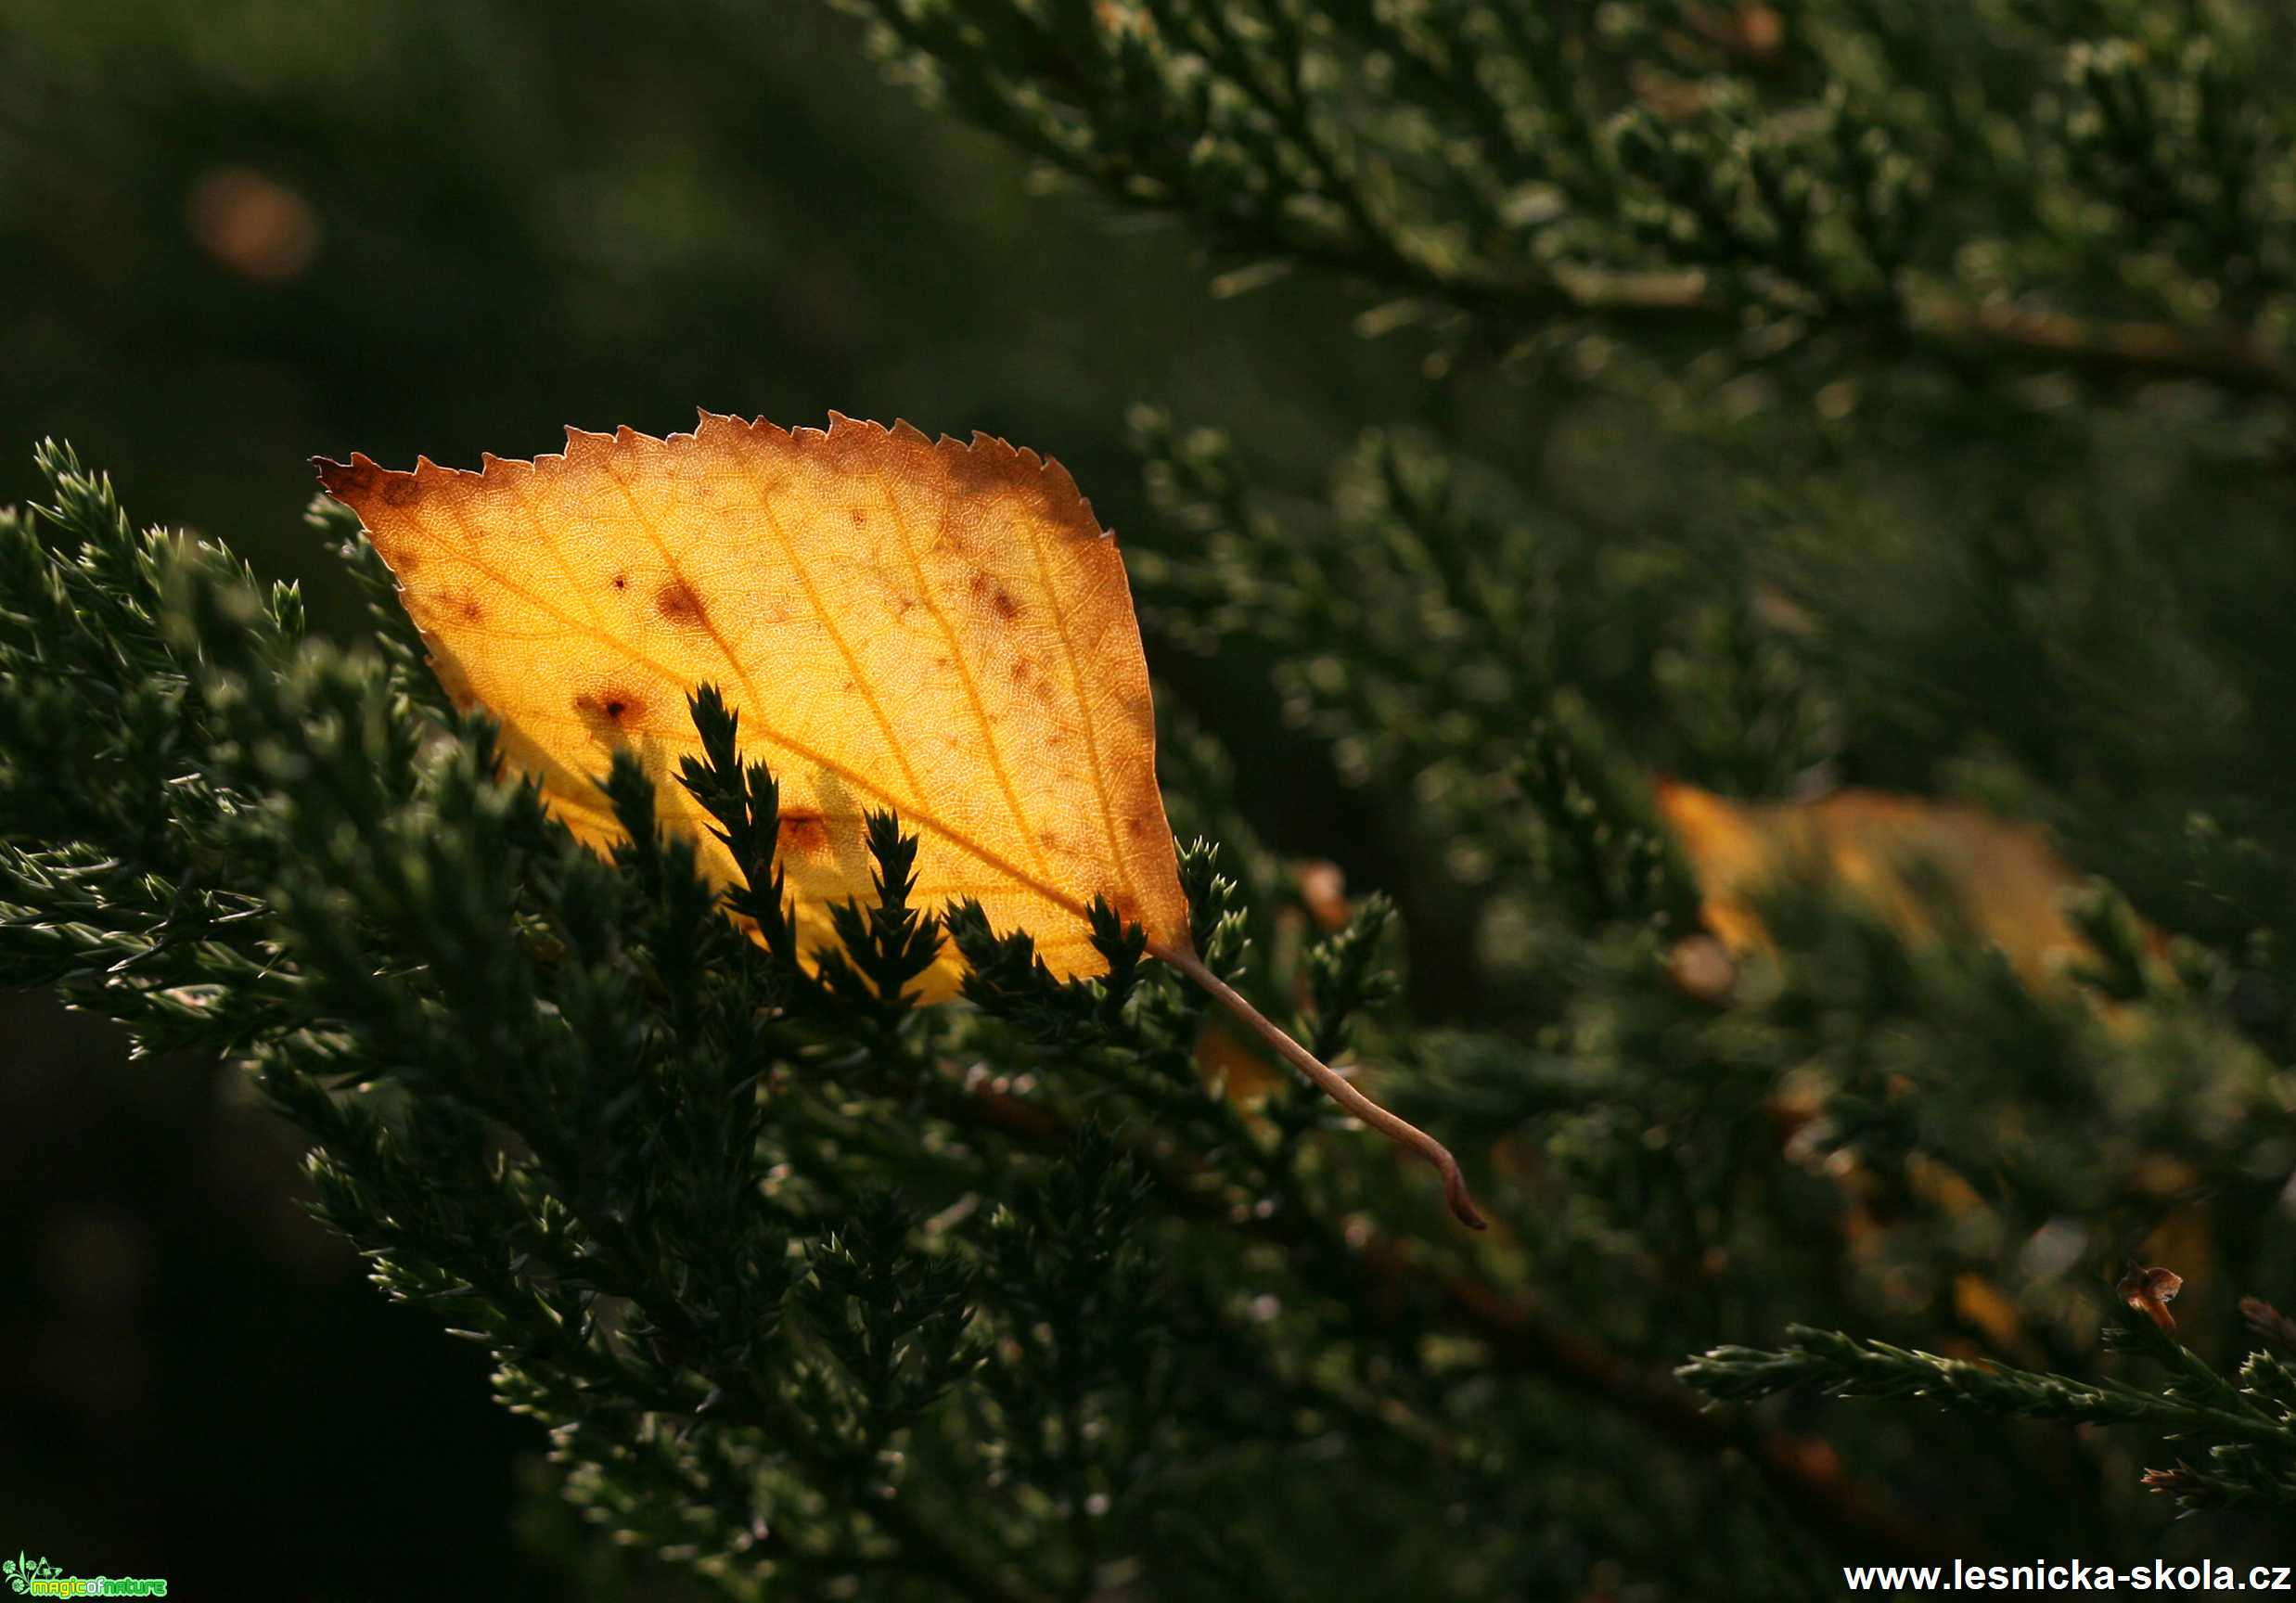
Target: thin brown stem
x,y
1335,1086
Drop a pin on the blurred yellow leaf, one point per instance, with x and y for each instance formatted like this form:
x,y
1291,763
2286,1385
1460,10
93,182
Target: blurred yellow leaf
x,y
2003,877
942,629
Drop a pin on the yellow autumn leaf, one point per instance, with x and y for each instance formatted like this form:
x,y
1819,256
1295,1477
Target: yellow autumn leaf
x,y
2002,880
2005,880
942,630
937,629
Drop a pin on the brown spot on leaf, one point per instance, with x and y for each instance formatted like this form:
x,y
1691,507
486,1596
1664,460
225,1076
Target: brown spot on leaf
x,y
804,830
999,599
610,712
621,581
678,603
398,489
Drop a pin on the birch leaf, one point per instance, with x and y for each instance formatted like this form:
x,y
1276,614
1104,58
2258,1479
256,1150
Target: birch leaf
x,y
936,629
942,630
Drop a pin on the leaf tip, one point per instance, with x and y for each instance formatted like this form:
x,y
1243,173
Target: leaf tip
x,y
345,480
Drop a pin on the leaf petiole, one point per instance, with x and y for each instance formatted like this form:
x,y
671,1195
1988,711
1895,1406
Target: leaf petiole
x,y
1335,1086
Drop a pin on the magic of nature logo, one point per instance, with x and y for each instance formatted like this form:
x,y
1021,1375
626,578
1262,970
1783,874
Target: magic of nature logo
x,y
38,1578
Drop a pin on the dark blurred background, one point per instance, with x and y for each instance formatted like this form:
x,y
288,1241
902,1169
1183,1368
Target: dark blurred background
x,y
237,235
